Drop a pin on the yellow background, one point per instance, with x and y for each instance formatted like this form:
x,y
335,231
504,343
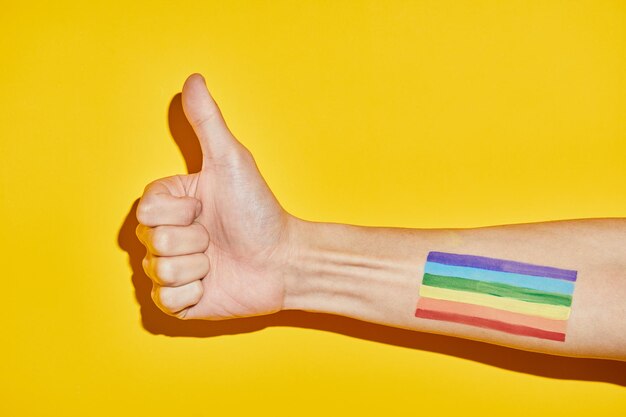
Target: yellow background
x,y
420,114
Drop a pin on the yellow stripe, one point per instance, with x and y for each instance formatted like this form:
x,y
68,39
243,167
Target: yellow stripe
x,y
503,303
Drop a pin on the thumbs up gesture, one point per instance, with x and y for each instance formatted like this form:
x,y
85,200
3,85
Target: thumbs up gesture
x,y
218,242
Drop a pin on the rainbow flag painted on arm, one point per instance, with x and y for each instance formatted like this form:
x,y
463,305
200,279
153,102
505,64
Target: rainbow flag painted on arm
x,y
509,296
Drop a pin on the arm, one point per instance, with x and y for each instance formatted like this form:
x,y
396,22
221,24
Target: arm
x,y
375,274
220,246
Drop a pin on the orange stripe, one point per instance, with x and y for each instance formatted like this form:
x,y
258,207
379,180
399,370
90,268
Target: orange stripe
x,y
484,312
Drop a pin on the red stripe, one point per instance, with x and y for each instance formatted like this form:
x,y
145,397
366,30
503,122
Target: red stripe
x,y
490,324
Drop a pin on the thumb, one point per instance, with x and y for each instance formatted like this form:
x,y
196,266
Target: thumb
x,y
206,119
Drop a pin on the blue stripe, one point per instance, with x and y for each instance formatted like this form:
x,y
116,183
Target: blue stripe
x,y
519,280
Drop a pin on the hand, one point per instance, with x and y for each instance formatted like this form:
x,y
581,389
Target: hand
x,y
217,241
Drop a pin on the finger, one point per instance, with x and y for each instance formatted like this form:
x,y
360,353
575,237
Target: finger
x,y
172,300
174,240
158,207
174,271
206,119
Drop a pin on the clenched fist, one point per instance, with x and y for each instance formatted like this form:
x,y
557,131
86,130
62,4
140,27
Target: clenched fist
x,y
217,241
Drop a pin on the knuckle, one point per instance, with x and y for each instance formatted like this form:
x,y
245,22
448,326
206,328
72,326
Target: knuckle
x,y
156,297
161,241
144,211
206,119
164,300
165,272
198,291
166,303
140,232
145,263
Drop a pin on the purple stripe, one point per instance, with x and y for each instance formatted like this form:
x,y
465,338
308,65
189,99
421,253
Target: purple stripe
x,y
501,265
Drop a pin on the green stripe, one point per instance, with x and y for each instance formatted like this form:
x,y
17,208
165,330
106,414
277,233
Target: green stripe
x,y
497,289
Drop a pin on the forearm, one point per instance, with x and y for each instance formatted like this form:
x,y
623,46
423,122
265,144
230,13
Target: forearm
x,y
376,275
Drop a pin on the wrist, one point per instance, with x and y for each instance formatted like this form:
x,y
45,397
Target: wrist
x,y
352,271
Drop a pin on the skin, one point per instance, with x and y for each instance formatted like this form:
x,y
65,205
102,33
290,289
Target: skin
x,y
220,246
